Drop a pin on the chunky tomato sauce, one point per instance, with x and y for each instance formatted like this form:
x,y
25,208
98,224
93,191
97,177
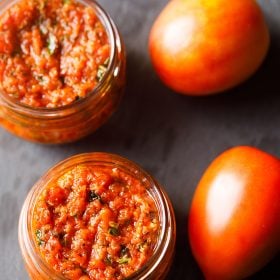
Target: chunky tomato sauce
x,y
95,223
52,52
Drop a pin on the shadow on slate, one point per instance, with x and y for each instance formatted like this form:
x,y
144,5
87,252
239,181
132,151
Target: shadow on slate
x,y
146,107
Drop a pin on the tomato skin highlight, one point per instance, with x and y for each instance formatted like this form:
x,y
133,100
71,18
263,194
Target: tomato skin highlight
x,y
234,219
202,47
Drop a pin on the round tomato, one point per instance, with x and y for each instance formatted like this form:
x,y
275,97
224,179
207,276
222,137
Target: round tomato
x,y
234,219
201,47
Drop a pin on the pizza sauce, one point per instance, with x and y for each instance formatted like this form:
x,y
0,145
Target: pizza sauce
x,y
52,52
95,222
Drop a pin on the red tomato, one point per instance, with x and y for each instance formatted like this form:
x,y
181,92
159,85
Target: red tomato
x,y
201,47
234,221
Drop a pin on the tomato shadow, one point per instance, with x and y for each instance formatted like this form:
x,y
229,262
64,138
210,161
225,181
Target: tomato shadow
x,y
271,271
259,92
184,265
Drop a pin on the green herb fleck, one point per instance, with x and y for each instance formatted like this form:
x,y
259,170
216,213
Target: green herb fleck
x,y
124,251
66,1
125,256
114,229
100,72
40,78
142,246
92,195
106,62
38,234
108,260
124,260
102,69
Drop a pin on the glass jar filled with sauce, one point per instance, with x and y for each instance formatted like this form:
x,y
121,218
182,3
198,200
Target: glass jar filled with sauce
x,y
97,216
62,68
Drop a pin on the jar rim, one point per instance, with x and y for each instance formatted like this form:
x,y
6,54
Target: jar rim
x,y
112,34
159,196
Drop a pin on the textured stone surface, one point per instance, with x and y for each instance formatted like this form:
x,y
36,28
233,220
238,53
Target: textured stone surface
x,y
173,137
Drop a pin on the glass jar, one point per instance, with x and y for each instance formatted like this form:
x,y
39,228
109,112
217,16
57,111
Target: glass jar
x,y
158,264
78,119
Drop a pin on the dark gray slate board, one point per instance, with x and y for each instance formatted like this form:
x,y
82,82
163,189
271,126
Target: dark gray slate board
x,y
172,136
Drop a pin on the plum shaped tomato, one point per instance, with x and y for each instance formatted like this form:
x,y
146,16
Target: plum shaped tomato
x,y
201,47
234,219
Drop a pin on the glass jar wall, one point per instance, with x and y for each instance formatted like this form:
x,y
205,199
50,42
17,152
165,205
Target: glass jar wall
x,y
81,117
114,173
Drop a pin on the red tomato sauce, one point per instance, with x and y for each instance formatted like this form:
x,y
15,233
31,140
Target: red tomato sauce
x,y
95,223
52,52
